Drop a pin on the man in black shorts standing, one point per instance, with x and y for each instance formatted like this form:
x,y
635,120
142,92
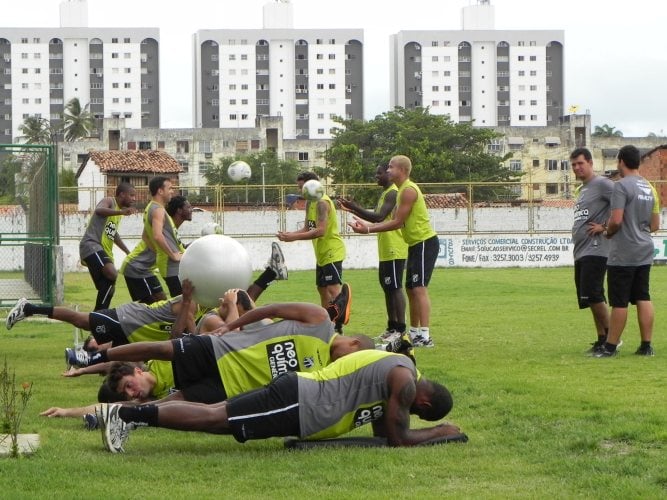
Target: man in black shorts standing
x,y
591,249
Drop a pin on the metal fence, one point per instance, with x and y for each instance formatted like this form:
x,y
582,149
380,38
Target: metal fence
x,y
29,232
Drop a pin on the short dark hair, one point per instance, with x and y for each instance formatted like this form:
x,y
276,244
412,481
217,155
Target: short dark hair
x,y
156,183
581,151
175,203
307,176
243,299
117,371
124,187
106,395
441,402
630,156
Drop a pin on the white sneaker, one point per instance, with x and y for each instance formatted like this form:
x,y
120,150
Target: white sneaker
x,y
419,341
277,262
16,314
114,430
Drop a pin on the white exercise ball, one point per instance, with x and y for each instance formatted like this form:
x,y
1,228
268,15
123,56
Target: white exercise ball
x,y
239,171
214,264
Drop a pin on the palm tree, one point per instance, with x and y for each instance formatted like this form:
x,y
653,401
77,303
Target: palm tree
x,y
79,122
606,131
36,131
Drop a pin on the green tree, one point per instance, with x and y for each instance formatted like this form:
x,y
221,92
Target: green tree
x,y
9,167
440,150
37,130
276,172
79,121
606,131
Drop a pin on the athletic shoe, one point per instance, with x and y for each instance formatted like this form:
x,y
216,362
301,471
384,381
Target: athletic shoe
x,y
16,314
420,341
645,351
342,304
605,353
595,347
388,336
90,422
76,357
114,431
277,262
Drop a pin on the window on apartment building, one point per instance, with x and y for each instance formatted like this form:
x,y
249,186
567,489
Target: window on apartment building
x,y
533,87
533,118
37,55
24,40
435,104
515,165
320,71
114,55
552,188
320,131
522,88
232,102
521,58
244,101
495,146
184,165
254,144
145,145
232,57
332,56
533,73
434,58
232,116
204,146
128,100
244,57
182,147
521,44
115,100
435,88
447,88
565,165
522,73
127,55
552,164
38,100
115,85
114,40
244,86
25,100
95,86
320,86
128,70
522,102
522,118
533,58
303,156
332,86
434,74
332,71
126,40
533,43
434,43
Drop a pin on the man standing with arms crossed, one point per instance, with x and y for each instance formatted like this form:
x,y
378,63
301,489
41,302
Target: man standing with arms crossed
x,y
392,252
411,216
635,214
591,249
96,246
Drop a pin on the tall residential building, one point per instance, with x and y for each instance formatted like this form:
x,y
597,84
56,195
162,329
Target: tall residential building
x,y
306,76
492,77
113,70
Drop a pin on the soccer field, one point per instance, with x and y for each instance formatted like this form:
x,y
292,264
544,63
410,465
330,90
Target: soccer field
x,y
544,419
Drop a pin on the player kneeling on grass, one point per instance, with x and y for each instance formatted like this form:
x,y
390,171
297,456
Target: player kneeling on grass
x,y
368,386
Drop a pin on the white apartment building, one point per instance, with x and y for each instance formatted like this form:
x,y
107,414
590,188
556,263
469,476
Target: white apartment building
x,y
305,76
480,74
113,70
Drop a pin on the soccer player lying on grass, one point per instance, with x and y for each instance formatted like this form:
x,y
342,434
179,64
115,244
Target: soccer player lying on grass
x,y
368,386
210,368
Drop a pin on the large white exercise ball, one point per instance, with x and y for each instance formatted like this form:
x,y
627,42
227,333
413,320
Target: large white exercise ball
x,y
239,171
214,264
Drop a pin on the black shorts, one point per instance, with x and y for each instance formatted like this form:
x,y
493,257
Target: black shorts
x,y
95,263
271,411
195,369
589,274
628,284
390,273
329,274
421,262
143,288
174,285
105,327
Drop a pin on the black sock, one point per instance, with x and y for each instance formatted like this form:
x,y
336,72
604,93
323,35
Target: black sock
x,y
645,344
266,278
601,339
98,357
30,309
144,414
610,347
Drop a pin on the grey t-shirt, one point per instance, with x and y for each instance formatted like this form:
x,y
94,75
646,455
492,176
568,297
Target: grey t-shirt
x,y
592,206
632,245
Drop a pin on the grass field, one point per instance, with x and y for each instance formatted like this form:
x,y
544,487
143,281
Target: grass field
x,y
544,419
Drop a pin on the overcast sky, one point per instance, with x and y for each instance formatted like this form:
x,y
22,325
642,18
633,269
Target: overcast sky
x,y
615,53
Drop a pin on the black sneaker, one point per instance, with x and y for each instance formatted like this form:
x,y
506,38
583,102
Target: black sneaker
x,y
342,304
90,422
595,347
605,353
645,351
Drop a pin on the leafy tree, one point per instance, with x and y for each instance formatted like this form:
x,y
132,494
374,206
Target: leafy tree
x,y
440,150
38,131
276,172
79,122
67,179
606,131
9,167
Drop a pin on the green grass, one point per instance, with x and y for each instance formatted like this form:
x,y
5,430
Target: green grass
x,y
544,420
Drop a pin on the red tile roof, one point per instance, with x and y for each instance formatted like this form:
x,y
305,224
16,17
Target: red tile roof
x,y
148,161
446,200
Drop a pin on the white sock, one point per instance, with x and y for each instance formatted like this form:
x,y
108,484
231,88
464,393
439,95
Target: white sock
x,y
424,332
414,331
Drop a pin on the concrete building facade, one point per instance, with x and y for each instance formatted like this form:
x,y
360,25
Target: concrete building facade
x,y
115,71
306,76
479,74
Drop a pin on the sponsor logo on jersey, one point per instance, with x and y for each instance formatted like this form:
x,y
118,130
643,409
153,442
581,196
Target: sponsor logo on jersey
x,y
308,362
282,357
366,415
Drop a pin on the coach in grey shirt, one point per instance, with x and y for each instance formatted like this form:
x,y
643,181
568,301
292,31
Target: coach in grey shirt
x,y
635,214
591,249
